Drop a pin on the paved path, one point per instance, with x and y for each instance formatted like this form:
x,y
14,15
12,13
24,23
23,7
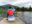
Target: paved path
x,y
17,21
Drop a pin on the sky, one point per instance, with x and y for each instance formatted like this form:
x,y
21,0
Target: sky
x,y
20,3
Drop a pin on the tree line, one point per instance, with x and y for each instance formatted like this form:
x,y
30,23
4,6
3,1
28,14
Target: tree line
x,y
23,9
18,8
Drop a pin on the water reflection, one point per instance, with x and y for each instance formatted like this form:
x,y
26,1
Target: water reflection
x,y
28,17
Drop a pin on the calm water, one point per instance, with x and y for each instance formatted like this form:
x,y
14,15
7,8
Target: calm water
x,y
28,17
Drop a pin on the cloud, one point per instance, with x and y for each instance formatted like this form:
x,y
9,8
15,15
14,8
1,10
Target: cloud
x,y
24,3
19,3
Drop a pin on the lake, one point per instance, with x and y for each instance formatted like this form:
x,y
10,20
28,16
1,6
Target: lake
x,y
27,17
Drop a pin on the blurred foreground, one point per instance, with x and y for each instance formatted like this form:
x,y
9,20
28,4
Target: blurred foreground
x,y
17,21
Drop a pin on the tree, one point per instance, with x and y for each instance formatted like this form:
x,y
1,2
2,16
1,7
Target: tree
x,y
22,9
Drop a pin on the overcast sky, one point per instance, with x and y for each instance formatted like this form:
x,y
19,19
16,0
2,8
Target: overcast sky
x,y
19,3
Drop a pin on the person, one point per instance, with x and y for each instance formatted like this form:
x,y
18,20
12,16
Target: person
x,y
10,14
10,11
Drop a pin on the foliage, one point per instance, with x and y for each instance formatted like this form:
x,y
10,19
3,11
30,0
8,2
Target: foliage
x,y
0,10
18,8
